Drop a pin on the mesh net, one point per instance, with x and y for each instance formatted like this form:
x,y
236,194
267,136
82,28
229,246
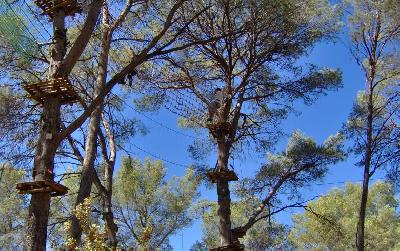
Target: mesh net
x,y
15,33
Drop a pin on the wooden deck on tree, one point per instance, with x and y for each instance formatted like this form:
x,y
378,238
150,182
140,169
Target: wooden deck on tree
x,y
232,247
70,7
217,128
56,87
215,175
42,186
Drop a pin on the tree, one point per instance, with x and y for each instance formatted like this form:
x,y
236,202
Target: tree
x,y
13,209
254,64
150,209
60,63
88,171
330,222
373,123
301,163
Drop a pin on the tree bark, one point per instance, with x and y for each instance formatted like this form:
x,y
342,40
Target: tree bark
x,y
88,170
43,170
367,164
362,212
47,144
108,175
224,198
224,212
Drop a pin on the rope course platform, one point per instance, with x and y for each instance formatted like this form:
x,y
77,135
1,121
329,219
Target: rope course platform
x,y
55,87
70,7
219,127
214,175
231,247
42,186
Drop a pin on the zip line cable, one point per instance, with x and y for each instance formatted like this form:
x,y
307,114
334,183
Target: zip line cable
x,y
153,120
157,156
154,155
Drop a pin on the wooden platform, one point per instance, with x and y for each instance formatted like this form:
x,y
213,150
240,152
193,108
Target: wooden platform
x,y
216,128
70,7
232,247
214,175
42,186
56,87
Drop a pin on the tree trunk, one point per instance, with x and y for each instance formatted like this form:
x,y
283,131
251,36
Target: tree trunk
x,y
88,170
224,198
362,212
107,203
367,164
224,212
47,144
111,227
43,170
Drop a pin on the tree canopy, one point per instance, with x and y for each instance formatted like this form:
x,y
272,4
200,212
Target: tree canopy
x,y
330,222
13,209
150,208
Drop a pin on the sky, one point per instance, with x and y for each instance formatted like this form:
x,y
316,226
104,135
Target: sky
x,y
325,117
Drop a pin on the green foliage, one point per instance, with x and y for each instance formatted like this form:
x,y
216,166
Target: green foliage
x,y
368,14
302,162
149,103
330,222
148,208
13,209
6,103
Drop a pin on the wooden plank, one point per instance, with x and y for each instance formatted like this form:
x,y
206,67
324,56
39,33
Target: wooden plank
x,y
59,86
48,7
40,190
42,186
228,175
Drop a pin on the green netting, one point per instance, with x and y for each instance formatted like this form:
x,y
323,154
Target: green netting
x,y
14,31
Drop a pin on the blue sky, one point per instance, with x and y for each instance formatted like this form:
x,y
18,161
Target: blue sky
x,y
325,117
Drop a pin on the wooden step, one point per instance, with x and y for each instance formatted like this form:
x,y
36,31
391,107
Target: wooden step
x,y
42,186
59,87
70,7
216,175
